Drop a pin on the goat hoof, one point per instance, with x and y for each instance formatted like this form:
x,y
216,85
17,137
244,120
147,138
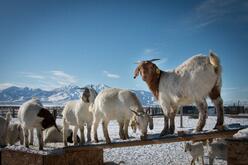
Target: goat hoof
x,y
108,142
143,137
164,132
219,127
171,132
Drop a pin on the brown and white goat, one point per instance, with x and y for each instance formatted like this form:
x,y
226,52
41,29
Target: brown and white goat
x,y
192,82
32,115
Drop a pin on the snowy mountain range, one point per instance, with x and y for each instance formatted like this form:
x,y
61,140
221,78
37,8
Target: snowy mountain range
x,y
59,96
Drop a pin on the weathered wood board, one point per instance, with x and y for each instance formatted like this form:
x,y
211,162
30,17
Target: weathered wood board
x,y
93,153
64,156
237,151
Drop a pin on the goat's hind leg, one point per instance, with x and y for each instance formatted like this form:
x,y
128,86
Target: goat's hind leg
x,y
202,159
172,122
202,107
121,130
40,138
95,125
105,131
126,123
75,130
25,135
220,113
31,136
218,103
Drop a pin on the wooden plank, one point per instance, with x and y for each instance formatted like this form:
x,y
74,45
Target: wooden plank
x,y
237,151
155,139
83,156
11,157
0,156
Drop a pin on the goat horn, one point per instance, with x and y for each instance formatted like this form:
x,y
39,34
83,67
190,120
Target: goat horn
x,y
155,59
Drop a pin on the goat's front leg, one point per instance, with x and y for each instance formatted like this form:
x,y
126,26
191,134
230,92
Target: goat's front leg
x,y
65,132
126,123
172,123
31,136
202,107
89,125
82,138
40,138
165,109
121,130
25,133
165,131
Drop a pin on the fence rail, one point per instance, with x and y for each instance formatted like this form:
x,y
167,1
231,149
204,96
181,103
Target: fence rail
x,y
152,110
57,110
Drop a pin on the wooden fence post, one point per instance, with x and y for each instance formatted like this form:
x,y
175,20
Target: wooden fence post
x,y
181,117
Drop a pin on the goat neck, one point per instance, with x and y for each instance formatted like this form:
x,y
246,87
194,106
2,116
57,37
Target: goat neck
x,y
153,82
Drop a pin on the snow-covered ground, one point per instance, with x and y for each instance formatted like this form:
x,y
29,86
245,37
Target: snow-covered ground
x,y
172,153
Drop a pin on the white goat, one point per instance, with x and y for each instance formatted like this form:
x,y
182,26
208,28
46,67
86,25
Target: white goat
x,y
4,123
196,150
193,81
115,104
77,113
33,115
217,149
52,135
14,134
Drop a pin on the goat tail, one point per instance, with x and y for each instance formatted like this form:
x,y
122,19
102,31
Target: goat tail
x,y
8,117
6,126
215,61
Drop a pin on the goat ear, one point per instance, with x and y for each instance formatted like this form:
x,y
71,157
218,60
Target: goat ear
x,y
136,72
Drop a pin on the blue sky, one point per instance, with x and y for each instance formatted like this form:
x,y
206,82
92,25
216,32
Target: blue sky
x,y
48,44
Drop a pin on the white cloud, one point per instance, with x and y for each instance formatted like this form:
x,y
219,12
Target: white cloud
x,y
63,78
47,80
111,75
150,51
211,11
32,75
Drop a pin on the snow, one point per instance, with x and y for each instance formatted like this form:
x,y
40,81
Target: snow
x,y
241,134
159,154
